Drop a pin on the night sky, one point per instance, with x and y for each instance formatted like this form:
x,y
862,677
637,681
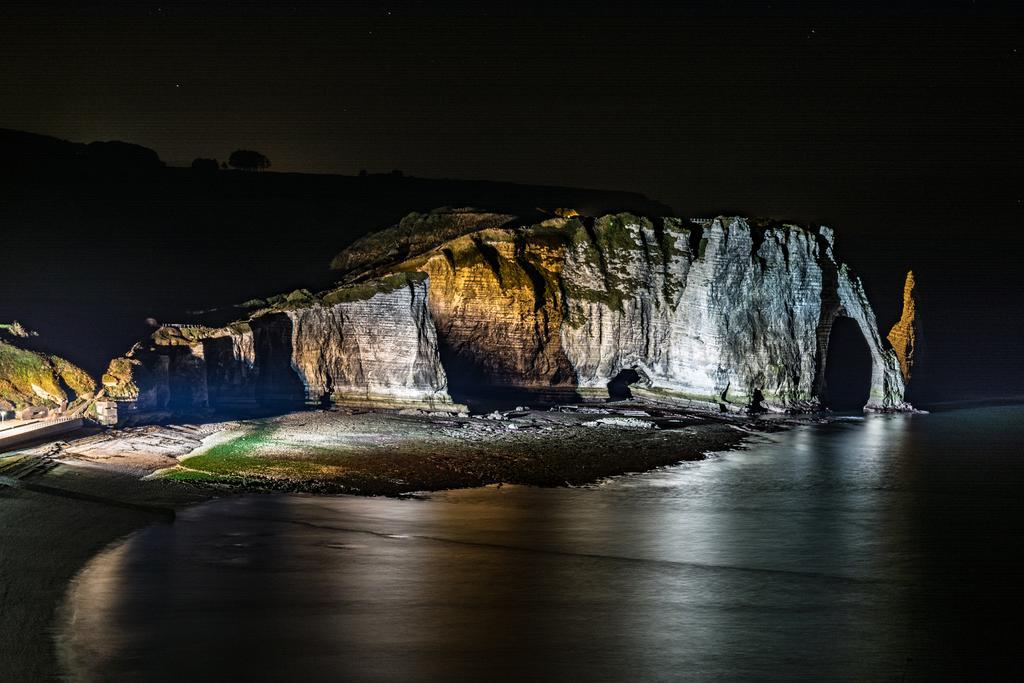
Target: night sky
x,y
692,109
898,124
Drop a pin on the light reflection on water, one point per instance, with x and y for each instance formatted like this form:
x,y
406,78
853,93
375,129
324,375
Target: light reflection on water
x,y
812,554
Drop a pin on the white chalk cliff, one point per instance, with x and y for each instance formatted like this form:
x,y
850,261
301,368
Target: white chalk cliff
x,y
717,313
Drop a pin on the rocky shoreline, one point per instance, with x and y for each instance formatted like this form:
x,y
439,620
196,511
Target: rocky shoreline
x,y
401,452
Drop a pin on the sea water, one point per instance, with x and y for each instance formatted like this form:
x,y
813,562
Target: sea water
x,y
876,547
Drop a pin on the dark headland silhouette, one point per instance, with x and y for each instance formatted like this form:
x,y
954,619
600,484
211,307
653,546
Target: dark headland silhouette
x,y
99,237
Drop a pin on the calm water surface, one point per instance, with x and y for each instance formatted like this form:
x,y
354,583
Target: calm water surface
x,y
877,548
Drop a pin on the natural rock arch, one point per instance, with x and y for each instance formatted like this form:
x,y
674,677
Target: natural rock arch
x,y
846,367
846,297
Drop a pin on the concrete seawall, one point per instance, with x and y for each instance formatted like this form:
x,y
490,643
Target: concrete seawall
x,y
16,436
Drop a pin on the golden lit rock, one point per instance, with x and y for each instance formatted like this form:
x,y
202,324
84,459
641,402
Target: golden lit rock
x,y
903,333
496,299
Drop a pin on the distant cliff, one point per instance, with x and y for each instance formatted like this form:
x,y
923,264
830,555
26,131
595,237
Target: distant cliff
x,y
717,313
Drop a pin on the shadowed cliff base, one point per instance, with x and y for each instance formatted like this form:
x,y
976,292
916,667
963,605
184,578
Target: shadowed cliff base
x,y
472,384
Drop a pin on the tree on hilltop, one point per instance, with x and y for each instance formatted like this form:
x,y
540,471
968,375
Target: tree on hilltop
x,y
248,160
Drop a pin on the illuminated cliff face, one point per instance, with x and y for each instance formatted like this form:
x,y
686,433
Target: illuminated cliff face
x,y
717,314
367,345
724,316
903,333
702,315
496,300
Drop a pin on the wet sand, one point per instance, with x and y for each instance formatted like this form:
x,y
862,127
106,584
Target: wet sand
x,y
45,539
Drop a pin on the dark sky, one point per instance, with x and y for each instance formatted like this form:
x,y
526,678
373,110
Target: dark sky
x,y
900,124
685,108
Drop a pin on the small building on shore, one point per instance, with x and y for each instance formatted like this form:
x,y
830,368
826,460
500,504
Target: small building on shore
x,y
106,412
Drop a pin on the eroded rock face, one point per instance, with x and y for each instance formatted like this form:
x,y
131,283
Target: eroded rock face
x,y
721,314
381,350
368,344
716,313
497,302
903,334
709,316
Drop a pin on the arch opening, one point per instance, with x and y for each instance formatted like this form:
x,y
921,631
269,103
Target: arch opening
x,y
847,367
618,387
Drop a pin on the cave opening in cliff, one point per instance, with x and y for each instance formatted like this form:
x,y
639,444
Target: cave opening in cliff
x,y
847,367
618,388
486,386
